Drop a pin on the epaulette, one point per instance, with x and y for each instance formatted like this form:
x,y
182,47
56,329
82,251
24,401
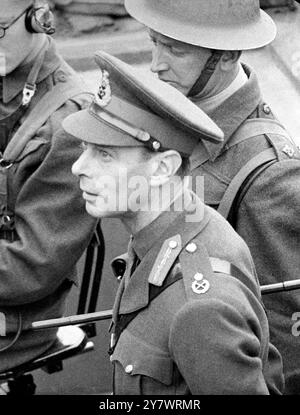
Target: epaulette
x,y
284,146
165,259
196,269
199,269
277,135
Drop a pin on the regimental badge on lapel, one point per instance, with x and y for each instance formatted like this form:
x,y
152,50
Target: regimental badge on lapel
x,y
103,96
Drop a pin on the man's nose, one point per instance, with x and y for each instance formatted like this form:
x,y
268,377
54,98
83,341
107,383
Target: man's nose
x,y
81,165
159,62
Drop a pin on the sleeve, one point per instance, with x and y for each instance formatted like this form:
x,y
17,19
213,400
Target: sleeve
x,y
269,221
52,225
217,349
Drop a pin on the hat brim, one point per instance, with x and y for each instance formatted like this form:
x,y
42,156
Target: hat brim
x,y
251,35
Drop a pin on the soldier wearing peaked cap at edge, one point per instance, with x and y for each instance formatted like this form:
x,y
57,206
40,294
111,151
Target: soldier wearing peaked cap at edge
x,y
187,317
253,176
44,227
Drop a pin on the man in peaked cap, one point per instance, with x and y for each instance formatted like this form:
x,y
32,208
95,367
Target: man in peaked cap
x,y
44,227
187,316
252,177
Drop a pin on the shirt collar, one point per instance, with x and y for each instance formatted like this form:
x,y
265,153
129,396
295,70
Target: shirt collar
x,y
14,82
229,116
208,105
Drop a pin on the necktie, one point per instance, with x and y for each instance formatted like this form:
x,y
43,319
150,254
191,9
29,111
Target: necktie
x,y
132,262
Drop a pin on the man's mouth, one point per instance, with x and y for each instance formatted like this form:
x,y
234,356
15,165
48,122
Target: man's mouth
x,y
89,197
168,81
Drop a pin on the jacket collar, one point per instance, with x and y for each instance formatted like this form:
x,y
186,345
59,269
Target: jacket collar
x,y
229,116
13,83
148,244
149,236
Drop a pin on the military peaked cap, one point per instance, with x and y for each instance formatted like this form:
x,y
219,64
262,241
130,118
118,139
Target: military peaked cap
x,y
133,108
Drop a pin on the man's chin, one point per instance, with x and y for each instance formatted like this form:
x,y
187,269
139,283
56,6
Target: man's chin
x,y
177,86
99,213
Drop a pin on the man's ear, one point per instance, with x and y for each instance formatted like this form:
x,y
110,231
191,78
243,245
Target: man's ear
x,y
229,59
164,167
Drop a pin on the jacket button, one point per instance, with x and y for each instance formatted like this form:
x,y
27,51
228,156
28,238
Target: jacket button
x,y
266,109
198,276
191,248
129,369
173,244
60,76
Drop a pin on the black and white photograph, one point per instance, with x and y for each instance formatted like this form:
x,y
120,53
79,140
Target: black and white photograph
x,y
149,204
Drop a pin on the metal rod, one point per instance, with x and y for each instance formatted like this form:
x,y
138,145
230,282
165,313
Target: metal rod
x,y
72,320
107,314
281,286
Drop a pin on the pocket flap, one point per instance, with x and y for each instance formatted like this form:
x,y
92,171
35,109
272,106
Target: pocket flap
x,y
140,358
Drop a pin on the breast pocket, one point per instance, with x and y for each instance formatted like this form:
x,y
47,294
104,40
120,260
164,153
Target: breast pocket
x,y
141,368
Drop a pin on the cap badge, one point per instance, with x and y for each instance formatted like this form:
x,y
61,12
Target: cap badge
x,y
103,96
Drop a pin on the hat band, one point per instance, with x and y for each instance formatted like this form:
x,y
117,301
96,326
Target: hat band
x,y
162,133
117,122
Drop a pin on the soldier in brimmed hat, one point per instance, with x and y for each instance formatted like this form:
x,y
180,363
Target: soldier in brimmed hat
x,y
252,177
43,224
188,317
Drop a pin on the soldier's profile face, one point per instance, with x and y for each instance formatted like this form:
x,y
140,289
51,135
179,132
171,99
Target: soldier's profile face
x,y
15,45
177,63
109,176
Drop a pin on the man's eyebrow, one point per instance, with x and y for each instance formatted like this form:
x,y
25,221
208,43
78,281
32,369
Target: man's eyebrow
x,y
161,39
105,148
168,42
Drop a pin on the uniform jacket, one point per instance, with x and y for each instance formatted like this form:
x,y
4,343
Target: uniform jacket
x,y
190,339
52,230
268,217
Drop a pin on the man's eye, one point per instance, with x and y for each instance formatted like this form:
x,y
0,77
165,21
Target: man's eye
x,y
103,154
176,51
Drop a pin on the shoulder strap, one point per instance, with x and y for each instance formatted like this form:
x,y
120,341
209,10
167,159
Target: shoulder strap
x,y
257,126
198,269
224,267
262,161
50,102
256,165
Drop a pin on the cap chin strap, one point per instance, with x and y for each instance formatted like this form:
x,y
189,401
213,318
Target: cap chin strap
x,y
206,73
